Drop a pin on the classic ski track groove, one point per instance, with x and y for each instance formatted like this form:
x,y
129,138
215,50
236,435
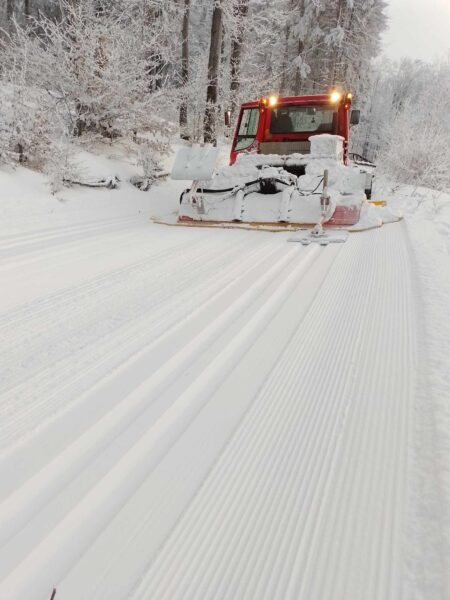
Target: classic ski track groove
x,y
56,378
37,320
51,301
311,478
28,497
160,325
22,243
17,239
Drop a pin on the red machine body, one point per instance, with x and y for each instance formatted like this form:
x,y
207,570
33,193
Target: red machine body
x,y
290,122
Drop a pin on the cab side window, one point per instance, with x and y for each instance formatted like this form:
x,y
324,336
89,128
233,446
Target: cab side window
x,y
247,128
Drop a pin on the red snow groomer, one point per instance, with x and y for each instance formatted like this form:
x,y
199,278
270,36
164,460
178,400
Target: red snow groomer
x,y
289,166
284,126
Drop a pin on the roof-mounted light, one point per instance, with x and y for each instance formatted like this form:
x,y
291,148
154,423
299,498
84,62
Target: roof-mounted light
x,y
335,96
273,100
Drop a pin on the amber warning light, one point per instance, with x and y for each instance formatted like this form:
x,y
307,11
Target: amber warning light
x,y
335,96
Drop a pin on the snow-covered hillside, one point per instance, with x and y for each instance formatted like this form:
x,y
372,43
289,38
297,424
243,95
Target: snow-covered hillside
x,y
197,413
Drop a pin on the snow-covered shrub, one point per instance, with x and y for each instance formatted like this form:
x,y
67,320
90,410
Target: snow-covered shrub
x,y
405,126
149,165
418,151
33,133
28,126
60,166
6,154
94,73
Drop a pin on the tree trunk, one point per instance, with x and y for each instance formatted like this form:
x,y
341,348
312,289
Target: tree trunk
x,y
185,70
349,33
298,77
285,71
155,63
236,52
9,14
209,123
335,58
300,50
315,62
27,9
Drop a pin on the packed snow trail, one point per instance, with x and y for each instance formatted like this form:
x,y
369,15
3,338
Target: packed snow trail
x,y
205,414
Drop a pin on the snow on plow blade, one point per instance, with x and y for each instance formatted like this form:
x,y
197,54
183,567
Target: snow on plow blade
x,y
277,191
195,162
261,210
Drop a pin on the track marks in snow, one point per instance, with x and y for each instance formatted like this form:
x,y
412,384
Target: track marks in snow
x,y
186,402
32,242
68,342
307,500
24,501
253,444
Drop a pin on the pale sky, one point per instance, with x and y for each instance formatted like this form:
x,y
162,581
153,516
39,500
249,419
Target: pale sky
x,y
417,29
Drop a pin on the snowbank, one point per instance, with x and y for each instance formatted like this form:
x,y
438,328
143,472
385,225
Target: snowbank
x,y
27,204
427,218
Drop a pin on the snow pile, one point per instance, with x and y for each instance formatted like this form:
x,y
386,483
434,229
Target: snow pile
x,y
327,155
375,216
245,169
195,162
326,145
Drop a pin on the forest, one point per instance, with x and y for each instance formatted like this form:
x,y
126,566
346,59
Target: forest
x,y
77,72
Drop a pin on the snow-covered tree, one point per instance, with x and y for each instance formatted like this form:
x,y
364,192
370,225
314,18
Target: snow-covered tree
x,y
184,69
213,73
119,67
409,112
97,71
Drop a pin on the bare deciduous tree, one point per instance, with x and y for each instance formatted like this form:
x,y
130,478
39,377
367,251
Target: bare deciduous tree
x,y
184,69
240,13
27,9
213,74
10,12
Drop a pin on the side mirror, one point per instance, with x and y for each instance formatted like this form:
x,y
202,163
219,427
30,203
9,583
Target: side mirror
x,y
227,118
354,116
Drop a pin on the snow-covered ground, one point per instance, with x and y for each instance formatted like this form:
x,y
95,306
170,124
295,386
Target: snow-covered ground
x,y
199,413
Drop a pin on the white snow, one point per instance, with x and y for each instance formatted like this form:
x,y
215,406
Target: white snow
x,y
427,219
195,162
199,413
326,145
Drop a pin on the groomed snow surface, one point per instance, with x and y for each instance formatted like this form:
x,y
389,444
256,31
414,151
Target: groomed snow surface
x,y
209,414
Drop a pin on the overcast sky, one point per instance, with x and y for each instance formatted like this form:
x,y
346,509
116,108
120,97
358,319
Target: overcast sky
x,y
418,28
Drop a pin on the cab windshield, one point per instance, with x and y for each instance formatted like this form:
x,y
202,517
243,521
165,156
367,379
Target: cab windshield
x,y
301,119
